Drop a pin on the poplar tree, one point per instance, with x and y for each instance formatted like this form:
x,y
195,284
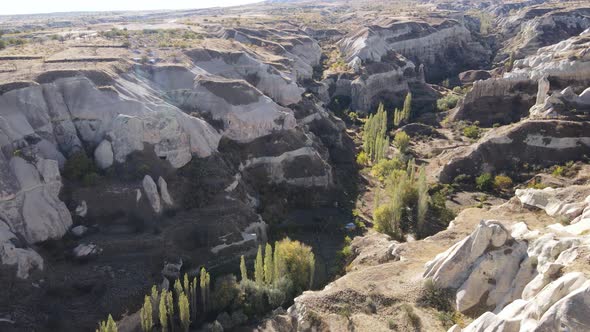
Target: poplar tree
x,y
407,110
184,312
107,326
268,264
259,267
205,280
177,288
185,284
423,199
243,269
193,298
163,311
170,309
278,264
145,314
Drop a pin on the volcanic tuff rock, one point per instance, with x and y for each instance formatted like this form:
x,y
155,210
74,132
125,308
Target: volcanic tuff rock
x,y
448,42
536,142
497,100
566,63
231,61
536,27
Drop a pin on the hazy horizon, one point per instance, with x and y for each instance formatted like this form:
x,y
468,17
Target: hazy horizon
x,y
25,7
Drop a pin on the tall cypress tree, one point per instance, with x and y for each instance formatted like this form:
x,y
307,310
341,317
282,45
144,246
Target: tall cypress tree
x,y
184,312
268,264
205,288
163,311
407,110
170,309
145,314
423,199
243,269
259,267
277,261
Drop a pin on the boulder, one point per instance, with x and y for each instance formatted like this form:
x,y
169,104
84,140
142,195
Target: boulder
x,y
82,209
86,251
488,268
470,76
103,155
166,198
11,253
151,192
79,231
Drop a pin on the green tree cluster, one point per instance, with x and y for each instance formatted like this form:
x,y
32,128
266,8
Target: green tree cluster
x,y
375,142
408,204
107,326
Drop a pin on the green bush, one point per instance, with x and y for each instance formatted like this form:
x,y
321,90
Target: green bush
x,y
558,171
362,159
502,182
484,182
433,296
402,141
447,102
2,44
78,166
385,167
471,132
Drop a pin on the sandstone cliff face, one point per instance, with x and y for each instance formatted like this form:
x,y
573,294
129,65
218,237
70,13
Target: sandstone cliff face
x,y
230,63
501,101
536,142
534,28
448,42
565,63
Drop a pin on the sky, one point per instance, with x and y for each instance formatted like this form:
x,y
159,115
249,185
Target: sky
x,y
12,7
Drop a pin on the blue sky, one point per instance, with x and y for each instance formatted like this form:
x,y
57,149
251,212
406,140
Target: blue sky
x,y
11,7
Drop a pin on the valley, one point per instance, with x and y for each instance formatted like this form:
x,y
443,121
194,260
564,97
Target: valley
x,y
297,166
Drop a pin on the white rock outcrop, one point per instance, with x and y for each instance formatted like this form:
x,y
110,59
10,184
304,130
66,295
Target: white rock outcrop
x,y
151,192
166,198
246,113
25,259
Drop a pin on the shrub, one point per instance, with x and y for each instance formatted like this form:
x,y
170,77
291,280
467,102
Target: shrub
x,y
362,159
471,132
78,166
385,167
502,182
2,44
434,297
558,171
447,102
484,182
410,317
402,141
226,293
353,116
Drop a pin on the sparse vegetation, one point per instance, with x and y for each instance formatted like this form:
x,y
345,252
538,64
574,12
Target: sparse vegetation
x,y
502,182
402,142
472,132
484,182
447,102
